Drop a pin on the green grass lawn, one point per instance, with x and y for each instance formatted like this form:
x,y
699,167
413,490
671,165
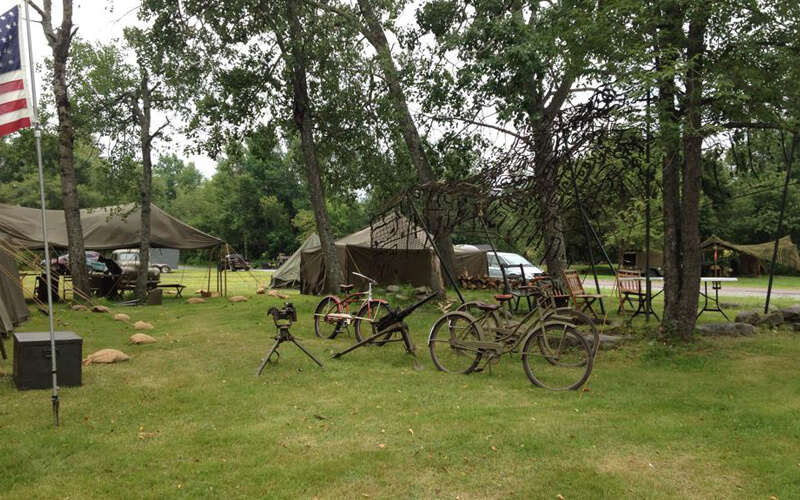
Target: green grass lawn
x,y
187,418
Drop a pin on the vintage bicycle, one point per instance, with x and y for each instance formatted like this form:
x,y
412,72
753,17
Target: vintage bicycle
x,y
332,315
555,353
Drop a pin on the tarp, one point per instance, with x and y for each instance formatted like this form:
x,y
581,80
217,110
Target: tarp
x,y
405,257
288,275
106,228
787,251
13,310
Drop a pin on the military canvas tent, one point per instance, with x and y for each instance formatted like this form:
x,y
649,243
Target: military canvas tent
x,y
754,254
106,228
288,275
408,259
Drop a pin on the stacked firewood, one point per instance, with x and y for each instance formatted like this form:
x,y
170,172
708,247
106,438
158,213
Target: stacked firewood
x,y
468,282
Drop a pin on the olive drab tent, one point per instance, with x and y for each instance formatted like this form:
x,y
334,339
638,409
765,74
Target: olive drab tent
x,y
288,275
753,255
107,228
409,259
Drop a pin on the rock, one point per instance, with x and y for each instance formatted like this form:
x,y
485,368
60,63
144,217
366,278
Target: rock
x,y
401,298
106,356
791,314
122,317
751,317
141,325
79,307
141,338
607,341
195,300
729,305
771,319
727,329
238,298
791,327
100,309
392,289
423,290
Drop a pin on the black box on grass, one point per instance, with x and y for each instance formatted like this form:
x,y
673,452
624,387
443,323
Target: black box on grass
x,y
32,359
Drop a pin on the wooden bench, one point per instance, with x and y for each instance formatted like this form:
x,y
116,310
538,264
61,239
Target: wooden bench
x,y
581,300
176,286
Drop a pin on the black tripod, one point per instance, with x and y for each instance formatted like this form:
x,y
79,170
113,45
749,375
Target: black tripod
x,y
283,319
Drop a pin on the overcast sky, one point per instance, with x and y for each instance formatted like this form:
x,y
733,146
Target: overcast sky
x,y
101,21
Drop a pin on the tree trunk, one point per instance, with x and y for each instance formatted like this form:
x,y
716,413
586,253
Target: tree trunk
x,y
681,195
145,188
691,257
66,164
373,30
303,122
546,171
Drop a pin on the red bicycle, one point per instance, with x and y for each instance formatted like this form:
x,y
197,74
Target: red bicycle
x,y
333,316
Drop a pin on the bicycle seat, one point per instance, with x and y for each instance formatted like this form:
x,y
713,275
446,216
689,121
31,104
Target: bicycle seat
x,y
487,307
345,288
503,297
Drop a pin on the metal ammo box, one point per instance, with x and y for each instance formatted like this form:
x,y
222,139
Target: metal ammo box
x,y
32,359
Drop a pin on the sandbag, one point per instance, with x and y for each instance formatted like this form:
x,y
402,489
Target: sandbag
x,y
195,300
238,298
106,356
100,309
141,338
122,317
275,293
79,307
141,325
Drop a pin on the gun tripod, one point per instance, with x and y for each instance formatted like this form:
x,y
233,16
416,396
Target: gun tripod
x,y
384,336
283,320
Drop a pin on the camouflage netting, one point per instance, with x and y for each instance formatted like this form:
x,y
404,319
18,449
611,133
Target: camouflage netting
x,y
787,251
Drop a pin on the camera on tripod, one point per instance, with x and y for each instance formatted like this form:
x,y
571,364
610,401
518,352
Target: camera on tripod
x,y
285,315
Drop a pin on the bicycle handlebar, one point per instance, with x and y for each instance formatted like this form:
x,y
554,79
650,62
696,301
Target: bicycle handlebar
x,y
365,277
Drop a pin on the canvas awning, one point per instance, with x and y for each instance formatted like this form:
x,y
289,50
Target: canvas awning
x,y
288,275
106,228
787,251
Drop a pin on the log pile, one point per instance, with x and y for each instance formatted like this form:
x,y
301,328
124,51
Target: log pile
x,y
468,282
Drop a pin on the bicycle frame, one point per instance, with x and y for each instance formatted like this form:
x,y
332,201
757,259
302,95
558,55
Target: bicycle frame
x,y
505,339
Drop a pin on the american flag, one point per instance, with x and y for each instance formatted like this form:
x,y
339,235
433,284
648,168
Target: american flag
x,y
15,111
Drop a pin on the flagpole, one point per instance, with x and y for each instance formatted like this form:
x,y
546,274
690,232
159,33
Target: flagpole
x,y
37,133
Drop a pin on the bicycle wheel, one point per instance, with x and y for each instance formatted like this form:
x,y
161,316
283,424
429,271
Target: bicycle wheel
x,y
369,314
445,343
325,326
557,357
584,325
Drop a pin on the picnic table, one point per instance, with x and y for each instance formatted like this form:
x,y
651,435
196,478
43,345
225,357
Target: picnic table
x,y
710,303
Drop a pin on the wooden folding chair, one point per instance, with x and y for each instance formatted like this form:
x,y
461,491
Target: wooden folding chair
x,y
630,289
581,300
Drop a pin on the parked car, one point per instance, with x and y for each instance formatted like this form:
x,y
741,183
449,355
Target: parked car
x,y
514,265
234,262
60,264
128,260
132,254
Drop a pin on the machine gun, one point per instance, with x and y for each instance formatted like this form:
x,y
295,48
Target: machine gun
x,y
390,324
283,319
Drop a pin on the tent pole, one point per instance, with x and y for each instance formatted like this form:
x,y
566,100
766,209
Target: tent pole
x,y
587,227
648,292
436,249
789,161
37,132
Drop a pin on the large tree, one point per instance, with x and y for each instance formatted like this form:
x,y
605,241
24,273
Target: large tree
x,y
59,39
255,65
519,63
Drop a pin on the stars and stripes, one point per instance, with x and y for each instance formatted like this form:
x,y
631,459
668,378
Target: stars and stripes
x,y
15,109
